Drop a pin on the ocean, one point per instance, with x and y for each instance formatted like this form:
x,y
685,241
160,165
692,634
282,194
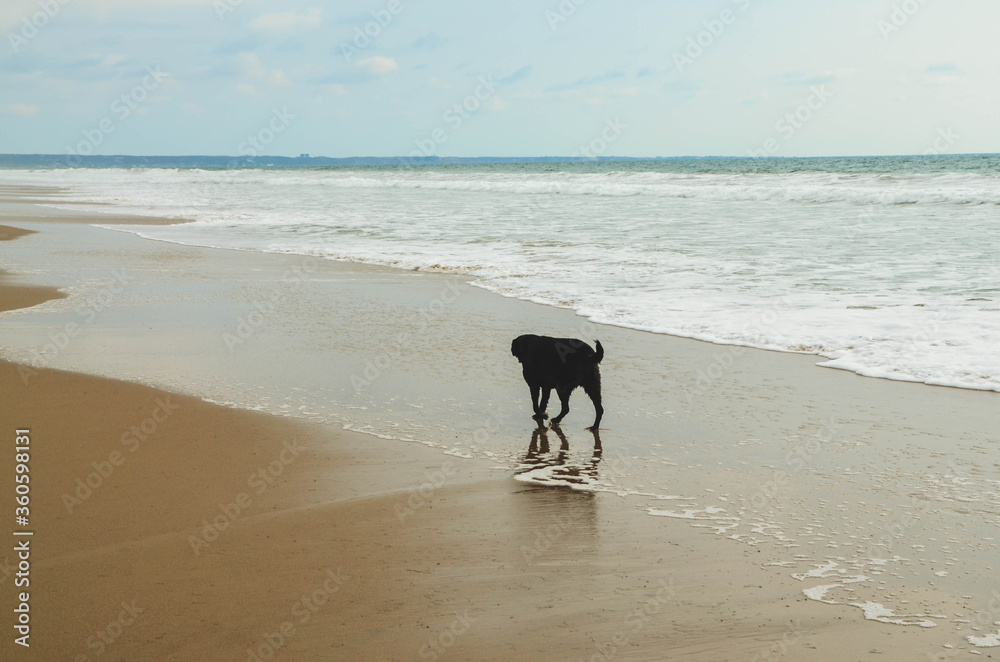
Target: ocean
x,y
885,266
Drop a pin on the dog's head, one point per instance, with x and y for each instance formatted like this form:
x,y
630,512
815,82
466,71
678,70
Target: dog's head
x,y
517,347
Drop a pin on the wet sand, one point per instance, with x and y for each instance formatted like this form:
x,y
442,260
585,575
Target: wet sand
x,y
14,296
343,547
167,527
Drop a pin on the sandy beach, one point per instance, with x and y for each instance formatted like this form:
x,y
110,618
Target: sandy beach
x,y
14,296
171,527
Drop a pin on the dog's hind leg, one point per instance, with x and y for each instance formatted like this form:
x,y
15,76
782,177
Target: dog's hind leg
x,y
593,389
564,394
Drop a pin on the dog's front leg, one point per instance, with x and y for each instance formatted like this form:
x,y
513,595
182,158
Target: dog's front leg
x,y
534,400
546,392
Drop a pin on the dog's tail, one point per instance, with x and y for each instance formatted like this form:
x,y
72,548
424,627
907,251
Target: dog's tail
x,y
600,352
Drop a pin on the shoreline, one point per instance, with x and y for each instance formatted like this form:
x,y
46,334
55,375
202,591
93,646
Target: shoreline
x,y
828,359
569,599
911,327
821,360
15,296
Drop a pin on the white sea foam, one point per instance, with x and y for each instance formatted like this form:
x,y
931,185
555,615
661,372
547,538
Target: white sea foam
x,y
991,640
874,611
893,276
707,513
818,593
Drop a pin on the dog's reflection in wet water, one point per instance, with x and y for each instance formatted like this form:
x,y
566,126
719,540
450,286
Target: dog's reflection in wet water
x,y
554,468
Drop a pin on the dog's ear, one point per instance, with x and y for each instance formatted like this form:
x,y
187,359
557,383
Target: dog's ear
x,y
515,347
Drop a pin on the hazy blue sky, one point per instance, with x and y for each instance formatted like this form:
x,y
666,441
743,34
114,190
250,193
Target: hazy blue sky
x,y
510,77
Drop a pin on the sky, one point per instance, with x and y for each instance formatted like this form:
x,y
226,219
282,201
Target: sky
x,y
635,78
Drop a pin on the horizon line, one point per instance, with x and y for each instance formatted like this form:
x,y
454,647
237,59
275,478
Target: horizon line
x,y
432,158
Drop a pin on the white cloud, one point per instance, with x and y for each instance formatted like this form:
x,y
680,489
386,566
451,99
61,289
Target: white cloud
x,y
250,65
249,90
498,104
278,77
13,13
192,108
23,109
379,65
113,60
843,72
288,21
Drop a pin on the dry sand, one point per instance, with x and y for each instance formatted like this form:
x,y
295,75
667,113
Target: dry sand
x,y
348,550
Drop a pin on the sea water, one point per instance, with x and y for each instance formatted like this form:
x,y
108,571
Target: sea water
x,y
888,267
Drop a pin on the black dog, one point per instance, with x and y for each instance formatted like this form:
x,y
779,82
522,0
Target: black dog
x,y
561,364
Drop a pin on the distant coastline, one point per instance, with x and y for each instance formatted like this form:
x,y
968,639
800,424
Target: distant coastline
x,y
307,161
194,161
